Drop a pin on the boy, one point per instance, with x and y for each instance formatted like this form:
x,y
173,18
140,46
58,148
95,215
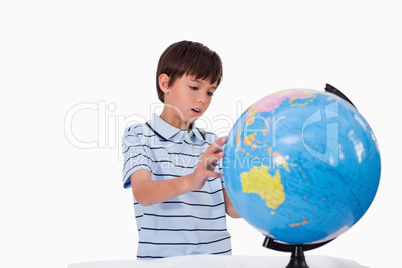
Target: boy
x,y
172,166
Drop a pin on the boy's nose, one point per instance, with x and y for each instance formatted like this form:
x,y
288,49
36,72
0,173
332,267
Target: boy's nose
x,y
201,98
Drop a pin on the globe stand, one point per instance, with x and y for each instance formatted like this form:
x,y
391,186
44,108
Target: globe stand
x,y
297,259
337,92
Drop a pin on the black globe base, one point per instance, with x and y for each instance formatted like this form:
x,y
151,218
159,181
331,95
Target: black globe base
x,y
297,259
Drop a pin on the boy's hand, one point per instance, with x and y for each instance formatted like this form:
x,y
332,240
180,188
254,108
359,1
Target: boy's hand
x,y
206,165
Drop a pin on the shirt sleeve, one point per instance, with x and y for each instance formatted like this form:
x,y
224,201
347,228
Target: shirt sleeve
x,y
135,156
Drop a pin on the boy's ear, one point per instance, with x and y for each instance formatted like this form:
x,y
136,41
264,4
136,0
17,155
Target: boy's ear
x,y
164,83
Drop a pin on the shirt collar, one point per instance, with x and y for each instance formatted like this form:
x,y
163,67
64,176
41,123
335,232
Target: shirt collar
x,y
166,131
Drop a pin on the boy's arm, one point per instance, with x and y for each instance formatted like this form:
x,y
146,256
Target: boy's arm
x,y
148,192
230,209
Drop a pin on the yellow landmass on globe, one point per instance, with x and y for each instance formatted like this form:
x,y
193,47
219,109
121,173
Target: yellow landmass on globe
x,y
258,180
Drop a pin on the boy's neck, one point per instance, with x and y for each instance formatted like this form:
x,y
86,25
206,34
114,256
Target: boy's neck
x,y
176,121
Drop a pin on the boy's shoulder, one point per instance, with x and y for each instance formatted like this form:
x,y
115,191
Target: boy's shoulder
x,y
137,128
135,134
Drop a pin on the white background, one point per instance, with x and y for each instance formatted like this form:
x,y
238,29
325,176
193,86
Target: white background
x,y
61,203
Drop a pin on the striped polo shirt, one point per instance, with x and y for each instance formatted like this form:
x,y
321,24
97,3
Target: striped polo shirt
x,y
192,223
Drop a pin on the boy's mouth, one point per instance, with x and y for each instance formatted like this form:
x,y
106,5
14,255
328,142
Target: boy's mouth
x,y
196,111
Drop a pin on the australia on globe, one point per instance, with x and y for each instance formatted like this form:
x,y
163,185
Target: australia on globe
x,y
302,166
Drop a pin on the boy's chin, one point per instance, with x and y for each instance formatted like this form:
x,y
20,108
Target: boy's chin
x,y
192,120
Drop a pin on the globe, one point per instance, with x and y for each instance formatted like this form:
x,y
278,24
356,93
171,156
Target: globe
x,y
302,166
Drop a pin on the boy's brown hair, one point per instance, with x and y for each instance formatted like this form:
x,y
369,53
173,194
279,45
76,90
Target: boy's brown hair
x,y
188,58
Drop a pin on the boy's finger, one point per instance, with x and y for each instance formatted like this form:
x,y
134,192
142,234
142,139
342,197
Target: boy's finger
x,y
219,154
212,174
217,144
215,157
221,141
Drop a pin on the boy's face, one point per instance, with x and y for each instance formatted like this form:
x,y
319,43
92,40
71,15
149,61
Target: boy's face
x,y
186,100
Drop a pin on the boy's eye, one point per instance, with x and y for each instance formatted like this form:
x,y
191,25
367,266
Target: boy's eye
x,y
193,88
210,94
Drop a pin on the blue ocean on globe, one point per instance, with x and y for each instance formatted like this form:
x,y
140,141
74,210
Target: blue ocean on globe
x,y
302,166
